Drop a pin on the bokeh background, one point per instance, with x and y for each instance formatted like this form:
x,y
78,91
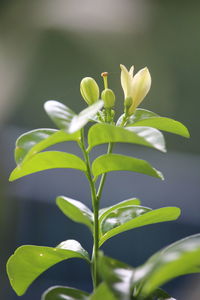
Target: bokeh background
x,y
46,47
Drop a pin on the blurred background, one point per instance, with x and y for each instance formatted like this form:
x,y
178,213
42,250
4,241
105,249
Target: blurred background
x,y
46,48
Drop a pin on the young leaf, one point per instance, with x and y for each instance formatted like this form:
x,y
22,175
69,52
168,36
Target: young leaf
x,y
116,162
47,160
76,211
107,210
80,120
66,119
144,117
62,292
28,262
118,277
178,259
121,223
102,292
106,133
60,114
32,142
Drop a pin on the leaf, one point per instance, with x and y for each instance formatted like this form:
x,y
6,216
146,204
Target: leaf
x,y
116,162
144,117
32,142
121,215
139,115
60,114
106,133
160,294
66,119
80,120
67,293
28,262
118,277
75,210
122,223
47,160
105,211
180,258
102,292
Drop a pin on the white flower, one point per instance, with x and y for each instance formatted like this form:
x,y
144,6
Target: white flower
x,y
135,87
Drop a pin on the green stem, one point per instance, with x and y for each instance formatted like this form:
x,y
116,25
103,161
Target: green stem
x,y
95,205
103,177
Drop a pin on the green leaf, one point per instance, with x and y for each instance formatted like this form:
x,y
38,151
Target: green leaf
x,y
75,210
122,221
120,216
180,258
147,118
118,277
105,211
32,142
139,115
60,114
66,119
102,292
47,160
28,262
116,162
80,120
106,133
67,293
160,294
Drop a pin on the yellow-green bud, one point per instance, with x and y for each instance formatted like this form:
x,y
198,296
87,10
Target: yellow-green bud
x,y
89,90
108,97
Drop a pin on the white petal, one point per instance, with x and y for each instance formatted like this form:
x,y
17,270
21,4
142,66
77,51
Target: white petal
x,y
141,84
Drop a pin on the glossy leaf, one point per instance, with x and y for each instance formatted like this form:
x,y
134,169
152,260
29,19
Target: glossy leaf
x,y
106,133
139,115
122,220
67,293
116,162
180,258
80,120
102,292
59,113
66,119
120,216
28,262
32,142
76,211
144,117
118,277
107,210
165,124
47,160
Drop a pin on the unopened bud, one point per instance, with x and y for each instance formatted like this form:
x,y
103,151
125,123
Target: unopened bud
x,y
89,90
108,97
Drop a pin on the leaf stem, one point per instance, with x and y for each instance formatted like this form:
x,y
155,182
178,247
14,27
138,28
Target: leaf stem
x,y
95,205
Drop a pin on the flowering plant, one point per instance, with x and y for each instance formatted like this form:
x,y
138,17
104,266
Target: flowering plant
x,y
112,279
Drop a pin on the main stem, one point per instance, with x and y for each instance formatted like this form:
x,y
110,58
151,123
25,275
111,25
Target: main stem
x,y
95,205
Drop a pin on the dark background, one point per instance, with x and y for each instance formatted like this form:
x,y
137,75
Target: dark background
x,y
46,48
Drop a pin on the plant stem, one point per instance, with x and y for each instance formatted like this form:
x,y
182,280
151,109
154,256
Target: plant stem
x,y
103,177
95,205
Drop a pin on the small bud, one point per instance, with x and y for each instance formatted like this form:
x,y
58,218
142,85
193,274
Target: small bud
x,y
108,97
89,90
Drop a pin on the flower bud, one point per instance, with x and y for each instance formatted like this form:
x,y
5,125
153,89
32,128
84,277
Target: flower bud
x,y
108,97
89,90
